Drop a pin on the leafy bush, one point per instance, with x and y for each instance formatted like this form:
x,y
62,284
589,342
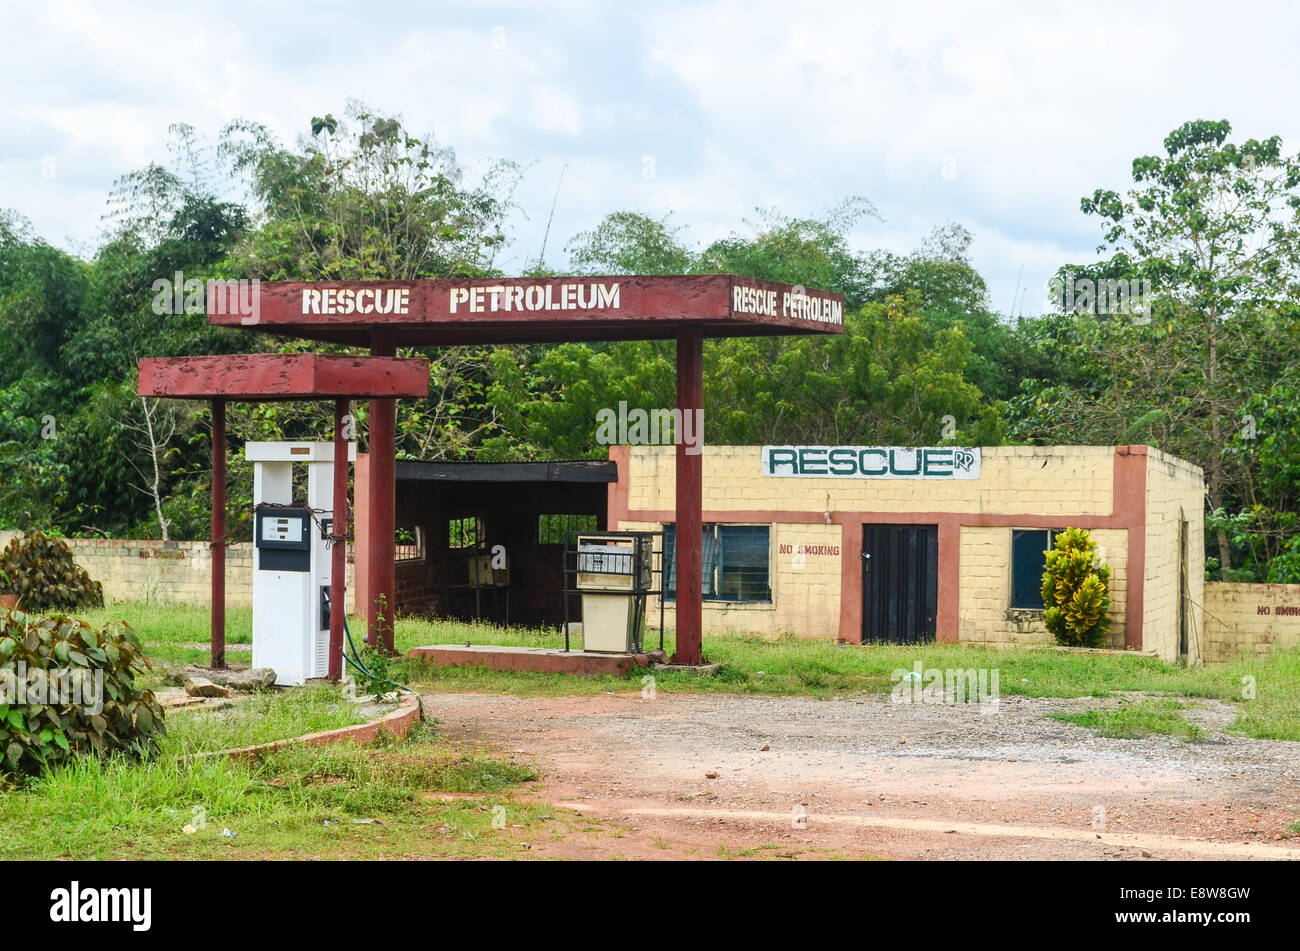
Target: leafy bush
x,y
1076,590
41,571
386,672
67,689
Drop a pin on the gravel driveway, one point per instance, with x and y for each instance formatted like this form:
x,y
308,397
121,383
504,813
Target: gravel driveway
x,y
710,775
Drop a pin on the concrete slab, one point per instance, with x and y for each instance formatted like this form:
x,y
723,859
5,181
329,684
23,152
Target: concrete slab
x,y
699,670
550,660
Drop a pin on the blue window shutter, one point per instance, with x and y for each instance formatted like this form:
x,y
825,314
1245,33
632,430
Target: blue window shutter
x,y
670,562
1028,558
744,566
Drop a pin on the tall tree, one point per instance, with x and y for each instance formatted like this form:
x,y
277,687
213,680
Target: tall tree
x,y
361,198
1216,228
1213,229
902,371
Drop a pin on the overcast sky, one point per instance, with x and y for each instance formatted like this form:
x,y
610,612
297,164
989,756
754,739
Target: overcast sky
x,y
998,117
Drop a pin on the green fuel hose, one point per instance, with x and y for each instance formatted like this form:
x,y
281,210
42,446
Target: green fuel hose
x,y
355,660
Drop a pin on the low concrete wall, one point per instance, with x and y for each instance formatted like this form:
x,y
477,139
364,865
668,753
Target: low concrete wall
x,y
397,723
1250,619
546,660
166,572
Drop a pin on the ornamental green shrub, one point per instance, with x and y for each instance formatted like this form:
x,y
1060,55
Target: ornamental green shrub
x,y
1076,591
40,569
68,689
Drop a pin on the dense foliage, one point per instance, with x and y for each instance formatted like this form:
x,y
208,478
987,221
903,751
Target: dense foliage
x,y
44,575
1076,590
68,689
1201,370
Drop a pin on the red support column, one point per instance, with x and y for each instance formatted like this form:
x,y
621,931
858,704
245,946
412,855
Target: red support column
x,y
338,554
690,478
382,594
218,533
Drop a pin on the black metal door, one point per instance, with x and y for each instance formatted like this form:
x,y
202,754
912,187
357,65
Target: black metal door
x,y
900,583
1182,587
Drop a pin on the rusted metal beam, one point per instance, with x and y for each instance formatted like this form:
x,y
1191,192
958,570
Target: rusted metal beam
x,y
218,645
339,535
272,376
690,494
382,587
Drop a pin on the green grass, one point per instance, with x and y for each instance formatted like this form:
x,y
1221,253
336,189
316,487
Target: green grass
x,y
789,666
1273,713
418,632
300,803
426,797
168,628
260,718
1137,720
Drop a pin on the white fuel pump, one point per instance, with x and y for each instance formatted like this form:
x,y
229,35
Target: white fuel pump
x,y
291,561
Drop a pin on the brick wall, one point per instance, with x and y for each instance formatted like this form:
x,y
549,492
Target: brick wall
x,y
417,590
1055,480
1175,492
986,615
166,572
805,583
1249,619
1019,487
1046,481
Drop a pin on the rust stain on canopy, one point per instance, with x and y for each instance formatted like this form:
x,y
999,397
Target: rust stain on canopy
x,y
291,376
526,310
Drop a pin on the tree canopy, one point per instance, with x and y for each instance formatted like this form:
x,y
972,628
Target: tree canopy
x,y
1205,246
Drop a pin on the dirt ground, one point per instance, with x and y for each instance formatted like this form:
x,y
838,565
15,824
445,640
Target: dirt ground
x,y
718,776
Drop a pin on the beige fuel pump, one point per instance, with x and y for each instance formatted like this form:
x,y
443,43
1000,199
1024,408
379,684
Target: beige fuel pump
x,y
613,572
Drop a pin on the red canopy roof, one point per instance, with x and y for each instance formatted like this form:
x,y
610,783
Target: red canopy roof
x,y
282,376
525,310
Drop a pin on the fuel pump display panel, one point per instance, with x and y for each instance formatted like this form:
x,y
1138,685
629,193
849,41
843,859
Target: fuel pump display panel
x,y
282,529
283,539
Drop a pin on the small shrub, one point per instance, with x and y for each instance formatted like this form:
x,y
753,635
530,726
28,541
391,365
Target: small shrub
x,y
1076,591
387,672
42,572
67,689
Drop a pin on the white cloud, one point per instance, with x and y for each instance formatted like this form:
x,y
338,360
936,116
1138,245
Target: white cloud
x,y
997,118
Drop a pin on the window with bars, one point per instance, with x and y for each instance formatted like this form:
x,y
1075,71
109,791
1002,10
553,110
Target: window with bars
x,y
465,532
554,529
408,545
735,561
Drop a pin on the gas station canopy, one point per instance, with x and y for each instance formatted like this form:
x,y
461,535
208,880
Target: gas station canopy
x,y
385,315
529,310
283,376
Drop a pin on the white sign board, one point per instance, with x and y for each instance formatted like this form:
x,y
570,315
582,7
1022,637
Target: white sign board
x,y
871,462
282,529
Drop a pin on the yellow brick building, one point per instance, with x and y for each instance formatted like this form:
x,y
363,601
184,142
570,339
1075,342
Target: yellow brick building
x,y
873,543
